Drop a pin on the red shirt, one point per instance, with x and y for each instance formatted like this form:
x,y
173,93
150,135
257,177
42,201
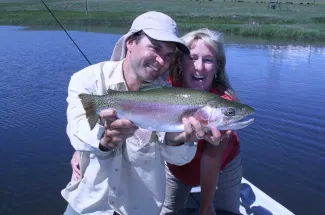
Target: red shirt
x,y
190,172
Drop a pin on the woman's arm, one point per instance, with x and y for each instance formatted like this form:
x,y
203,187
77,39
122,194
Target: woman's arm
x,y
211,161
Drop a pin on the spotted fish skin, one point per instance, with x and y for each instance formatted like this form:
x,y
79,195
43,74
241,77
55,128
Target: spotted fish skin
x,y
163,108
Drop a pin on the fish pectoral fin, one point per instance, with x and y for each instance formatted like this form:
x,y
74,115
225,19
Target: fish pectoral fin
x,y
149,86
201,115
204,116
88,104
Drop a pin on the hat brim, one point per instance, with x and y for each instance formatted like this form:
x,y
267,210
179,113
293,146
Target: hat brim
x,y
167,37
119,50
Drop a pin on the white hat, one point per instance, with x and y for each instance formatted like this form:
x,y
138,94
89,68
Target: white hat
x,y
156,25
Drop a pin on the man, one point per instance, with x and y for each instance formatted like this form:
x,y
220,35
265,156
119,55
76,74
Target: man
x,y
121,166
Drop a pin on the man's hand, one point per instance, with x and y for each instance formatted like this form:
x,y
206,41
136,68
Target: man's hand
x,y
116,130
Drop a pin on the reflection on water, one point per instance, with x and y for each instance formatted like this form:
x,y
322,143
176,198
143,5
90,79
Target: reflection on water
x,y
283,150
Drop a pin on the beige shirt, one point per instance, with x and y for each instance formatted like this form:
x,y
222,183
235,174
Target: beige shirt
x,y
129,179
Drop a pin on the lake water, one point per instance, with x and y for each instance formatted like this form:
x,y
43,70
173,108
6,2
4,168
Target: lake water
x,y
283,152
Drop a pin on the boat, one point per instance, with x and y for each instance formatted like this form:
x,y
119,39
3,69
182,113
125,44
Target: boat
x,y
253,201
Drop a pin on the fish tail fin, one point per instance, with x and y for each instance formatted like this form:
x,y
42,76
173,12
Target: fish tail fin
x,y
88,102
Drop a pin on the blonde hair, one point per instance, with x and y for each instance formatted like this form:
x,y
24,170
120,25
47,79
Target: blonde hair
x,y
215,40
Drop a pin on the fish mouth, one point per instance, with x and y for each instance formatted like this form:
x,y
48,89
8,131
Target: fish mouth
x,y
238,124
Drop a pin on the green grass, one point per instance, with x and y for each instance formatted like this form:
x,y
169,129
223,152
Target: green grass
x,y
248,18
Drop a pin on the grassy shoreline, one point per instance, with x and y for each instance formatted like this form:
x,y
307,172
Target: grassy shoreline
x,y
246,19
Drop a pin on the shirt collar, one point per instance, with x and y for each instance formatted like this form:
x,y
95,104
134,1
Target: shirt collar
x,y
115,75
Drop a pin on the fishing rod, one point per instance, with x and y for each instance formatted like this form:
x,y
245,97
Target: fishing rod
x,y
65,31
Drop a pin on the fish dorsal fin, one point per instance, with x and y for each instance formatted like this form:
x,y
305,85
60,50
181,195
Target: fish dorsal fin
x,y
149,86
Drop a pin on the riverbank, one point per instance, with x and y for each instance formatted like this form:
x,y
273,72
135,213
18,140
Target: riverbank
x,y
254,19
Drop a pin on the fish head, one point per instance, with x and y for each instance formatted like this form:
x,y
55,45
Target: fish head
x,y
225,115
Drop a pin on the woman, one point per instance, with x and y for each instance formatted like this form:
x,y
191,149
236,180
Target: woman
x,y
213,166
203,69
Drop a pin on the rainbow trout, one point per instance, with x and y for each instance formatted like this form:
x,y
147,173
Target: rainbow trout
x,y
162,109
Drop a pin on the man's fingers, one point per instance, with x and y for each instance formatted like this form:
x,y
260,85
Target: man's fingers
x,y
122,123
116,140
109,120
107,113
120,131
117,132
118,135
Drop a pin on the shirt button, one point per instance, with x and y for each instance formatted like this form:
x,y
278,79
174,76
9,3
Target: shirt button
x,y
114,188
135,207
116,170
112,202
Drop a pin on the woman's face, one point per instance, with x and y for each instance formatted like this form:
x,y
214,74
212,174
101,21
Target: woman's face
x,y
199,67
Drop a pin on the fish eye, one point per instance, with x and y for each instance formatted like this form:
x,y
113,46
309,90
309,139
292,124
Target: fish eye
x,y
230,111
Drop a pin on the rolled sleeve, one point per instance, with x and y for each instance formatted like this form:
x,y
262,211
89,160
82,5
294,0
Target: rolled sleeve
x,y
78,130
178,155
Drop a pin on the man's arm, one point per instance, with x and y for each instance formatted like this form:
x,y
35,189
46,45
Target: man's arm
x,y
82,138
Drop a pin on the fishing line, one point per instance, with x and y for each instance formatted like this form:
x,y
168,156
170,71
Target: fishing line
x,y
65,31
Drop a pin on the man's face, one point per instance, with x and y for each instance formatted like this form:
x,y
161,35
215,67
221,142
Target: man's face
x,y
149,58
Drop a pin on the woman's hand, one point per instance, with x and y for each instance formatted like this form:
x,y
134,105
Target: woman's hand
x,y
75,166
193,127
193,131
224,141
